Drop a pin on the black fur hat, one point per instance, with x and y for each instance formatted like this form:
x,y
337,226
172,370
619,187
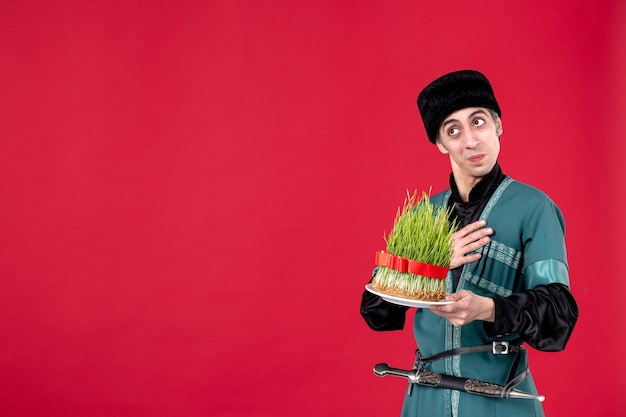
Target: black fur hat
x,y
452,92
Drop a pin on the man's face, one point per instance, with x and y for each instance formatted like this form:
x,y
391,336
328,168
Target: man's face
x,y
471,138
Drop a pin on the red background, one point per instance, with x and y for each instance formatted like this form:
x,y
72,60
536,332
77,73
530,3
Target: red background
x,y
192,193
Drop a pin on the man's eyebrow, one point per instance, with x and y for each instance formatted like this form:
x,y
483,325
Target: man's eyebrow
x,y
447,122
472,114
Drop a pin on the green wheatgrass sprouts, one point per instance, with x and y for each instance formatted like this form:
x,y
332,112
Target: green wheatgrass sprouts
x,y
421,232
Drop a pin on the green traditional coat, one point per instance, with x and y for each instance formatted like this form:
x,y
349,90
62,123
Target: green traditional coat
x,y
527,249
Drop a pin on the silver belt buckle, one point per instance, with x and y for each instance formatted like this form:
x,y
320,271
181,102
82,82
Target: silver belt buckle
x,y
500,348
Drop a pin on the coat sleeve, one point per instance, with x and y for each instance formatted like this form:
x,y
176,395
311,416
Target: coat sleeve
x,y
544,316
544,312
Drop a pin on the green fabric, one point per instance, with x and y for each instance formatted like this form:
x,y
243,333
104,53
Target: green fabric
x,y
527,249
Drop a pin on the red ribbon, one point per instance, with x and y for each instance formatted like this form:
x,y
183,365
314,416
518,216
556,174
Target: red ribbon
x,y
384,258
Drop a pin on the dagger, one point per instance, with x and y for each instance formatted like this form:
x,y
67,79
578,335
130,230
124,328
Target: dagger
x,y
428,378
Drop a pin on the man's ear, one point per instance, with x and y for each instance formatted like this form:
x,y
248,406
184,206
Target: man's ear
x,y
499,128
442,147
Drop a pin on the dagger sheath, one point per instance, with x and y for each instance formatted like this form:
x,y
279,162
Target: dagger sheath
x,y
471,386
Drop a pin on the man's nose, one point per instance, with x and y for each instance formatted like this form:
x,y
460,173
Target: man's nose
x,y
470,138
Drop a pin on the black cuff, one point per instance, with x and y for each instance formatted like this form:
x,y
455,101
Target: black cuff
x,y
381,315
544,316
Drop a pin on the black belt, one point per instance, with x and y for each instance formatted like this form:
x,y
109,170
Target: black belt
x,y
497,348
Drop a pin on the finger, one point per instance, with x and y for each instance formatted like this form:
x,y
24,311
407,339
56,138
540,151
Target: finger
x,y
439,310
472,227
477,235
466,249
462,260
464,240
455,296
477,244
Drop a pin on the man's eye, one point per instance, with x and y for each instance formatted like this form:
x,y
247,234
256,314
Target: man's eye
x,y
453,131
479,122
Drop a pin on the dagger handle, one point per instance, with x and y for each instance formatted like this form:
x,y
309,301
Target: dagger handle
x,y
383,369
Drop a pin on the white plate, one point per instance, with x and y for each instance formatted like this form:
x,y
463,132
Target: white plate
x,y
406,301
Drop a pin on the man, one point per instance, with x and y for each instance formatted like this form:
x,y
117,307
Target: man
x,y
508,277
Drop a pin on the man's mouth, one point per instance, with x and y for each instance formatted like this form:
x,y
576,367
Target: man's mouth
x,y
476,158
